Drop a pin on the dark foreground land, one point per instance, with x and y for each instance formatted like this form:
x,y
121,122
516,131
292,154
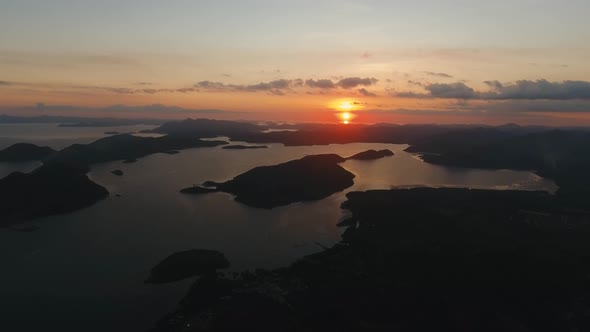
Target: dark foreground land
x,y
417,260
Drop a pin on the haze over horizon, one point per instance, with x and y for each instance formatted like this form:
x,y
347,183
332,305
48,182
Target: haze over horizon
x,y
381,61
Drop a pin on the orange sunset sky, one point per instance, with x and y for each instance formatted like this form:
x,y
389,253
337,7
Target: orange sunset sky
x,y
382,61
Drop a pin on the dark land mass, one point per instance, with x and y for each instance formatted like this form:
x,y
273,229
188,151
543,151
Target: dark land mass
x,y
130,161
126,147
61,184
560,155
323,134
417,260
244,147
171,152
306,179
206,128
117,172
371,155
196,190
48,190
186,264
25,152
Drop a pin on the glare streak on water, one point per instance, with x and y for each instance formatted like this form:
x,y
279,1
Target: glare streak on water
x,y
89,266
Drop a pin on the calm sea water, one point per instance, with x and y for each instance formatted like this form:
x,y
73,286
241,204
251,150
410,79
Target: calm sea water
x,y
84,271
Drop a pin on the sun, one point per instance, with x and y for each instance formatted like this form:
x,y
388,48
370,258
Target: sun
x,y
345,117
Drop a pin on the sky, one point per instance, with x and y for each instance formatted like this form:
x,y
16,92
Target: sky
x,y
422,61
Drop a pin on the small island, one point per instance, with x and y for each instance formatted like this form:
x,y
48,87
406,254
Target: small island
x,y
371,155
117,172
244,147
186,264
21,152
307,179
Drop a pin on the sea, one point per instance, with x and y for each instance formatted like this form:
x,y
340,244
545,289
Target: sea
x,y
85,271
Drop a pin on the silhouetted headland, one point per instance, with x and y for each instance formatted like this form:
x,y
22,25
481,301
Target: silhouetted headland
x,y
25,152
127,147
48,190
560,155
186,264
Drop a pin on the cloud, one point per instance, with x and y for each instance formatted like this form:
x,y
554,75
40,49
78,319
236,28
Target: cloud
x,y
320,84
210,85
366,93
522,89
274,87
186,90
353,82
457,90
443,75
278,87
541,89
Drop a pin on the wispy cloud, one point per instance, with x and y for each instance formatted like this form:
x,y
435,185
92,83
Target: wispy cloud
x,y
366,93
435,74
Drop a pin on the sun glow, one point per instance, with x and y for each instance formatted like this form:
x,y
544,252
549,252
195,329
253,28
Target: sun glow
x,y
346,105
346,110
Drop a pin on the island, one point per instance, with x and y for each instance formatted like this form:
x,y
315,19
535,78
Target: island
x,y
117,172
309,178
371,155
186,264
21,152
244,147
420,259
48,190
